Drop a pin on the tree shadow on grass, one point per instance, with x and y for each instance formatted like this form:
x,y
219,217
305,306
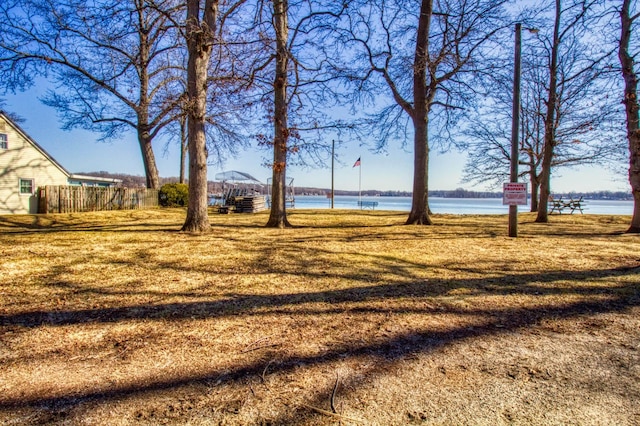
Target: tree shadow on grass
x,y
343,220
55,228
608,295
387,350
242,304
600,299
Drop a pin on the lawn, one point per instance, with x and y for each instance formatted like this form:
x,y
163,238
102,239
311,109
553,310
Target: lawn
x,y
349,318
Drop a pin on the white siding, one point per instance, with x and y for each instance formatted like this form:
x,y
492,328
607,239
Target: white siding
x,y
23,160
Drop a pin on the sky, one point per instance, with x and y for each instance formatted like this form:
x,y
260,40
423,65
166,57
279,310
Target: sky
x,y
80,151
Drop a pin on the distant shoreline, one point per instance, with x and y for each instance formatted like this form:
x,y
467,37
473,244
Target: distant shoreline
x,y
215,187
463,193
449,205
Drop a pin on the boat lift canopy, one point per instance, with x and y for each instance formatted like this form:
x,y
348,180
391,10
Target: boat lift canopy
x,y
236,176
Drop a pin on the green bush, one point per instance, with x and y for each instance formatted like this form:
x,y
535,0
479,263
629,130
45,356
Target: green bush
x,y
174,195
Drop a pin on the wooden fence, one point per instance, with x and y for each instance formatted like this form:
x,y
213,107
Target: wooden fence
x,y
73,199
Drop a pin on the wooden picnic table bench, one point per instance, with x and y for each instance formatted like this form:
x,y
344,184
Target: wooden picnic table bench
x,y
558,205
368,204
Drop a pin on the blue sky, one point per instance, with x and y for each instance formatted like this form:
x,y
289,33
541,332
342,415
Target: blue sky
x,y
79,151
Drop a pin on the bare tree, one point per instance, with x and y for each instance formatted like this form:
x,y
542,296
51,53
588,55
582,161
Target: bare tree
x,y
488,135
227,120
291,77
584,116
569,25
442,43
278,213
627,56
201,34
109,59
204,35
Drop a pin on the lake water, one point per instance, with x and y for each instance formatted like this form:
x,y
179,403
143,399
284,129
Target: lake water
x,y
451,205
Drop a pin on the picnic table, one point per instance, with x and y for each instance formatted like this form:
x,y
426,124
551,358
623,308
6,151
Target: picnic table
x,y
367,205
558,205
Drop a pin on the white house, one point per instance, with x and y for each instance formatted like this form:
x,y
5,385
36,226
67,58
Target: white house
x,y
25,166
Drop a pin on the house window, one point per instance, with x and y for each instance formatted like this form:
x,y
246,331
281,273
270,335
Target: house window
x,y
3,141
26,186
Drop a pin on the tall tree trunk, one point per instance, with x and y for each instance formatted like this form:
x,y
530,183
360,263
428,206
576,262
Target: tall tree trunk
x,y
148,159
143,128
549,123
631,109
535,187
183,147
200,37
419,214
534,180
278,215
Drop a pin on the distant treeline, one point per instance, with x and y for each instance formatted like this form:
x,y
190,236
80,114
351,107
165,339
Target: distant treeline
x,y
456,193
596,195
132,181
136,181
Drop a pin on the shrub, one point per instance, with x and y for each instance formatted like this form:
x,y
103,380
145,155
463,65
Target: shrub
x,y
174,195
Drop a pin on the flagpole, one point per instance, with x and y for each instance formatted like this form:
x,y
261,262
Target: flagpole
x,y
360,182
333,157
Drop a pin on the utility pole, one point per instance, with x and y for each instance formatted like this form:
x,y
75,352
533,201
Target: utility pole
x,y
515,125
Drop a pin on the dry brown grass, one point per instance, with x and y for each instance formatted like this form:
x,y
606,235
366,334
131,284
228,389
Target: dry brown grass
x,y
117,318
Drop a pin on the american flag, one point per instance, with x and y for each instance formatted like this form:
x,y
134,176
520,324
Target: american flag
x,y
357,163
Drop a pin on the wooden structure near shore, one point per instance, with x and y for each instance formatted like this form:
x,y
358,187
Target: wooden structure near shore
x,y
367,205
74,199
558,205
244,204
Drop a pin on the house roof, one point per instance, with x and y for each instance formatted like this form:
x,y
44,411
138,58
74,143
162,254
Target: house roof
x,y
26,136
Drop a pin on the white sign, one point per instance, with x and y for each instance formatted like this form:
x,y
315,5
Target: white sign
x,y
514,194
